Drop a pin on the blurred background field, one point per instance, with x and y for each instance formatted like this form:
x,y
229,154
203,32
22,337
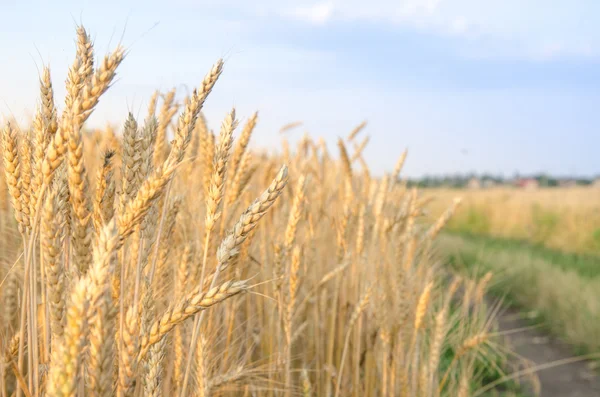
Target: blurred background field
x,y
561,218
543,246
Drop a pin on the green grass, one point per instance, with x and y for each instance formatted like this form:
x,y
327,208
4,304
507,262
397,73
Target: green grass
x,y
585,265
491,364
563,289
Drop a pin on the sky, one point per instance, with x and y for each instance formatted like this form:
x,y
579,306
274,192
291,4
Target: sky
x,y
465,85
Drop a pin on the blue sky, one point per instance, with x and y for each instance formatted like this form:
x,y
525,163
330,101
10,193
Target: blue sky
x,y
465,85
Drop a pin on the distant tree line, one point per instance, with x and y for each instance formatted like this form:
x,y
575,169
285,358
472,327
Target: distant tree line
x,y
463,180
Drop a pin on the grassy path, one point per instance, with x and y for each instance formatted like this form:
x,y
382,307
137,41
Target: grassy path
x,y
559,292
562,291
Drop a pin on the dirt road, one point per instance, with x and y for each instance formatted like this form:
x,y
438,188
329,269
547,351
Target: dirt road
x,y
574,379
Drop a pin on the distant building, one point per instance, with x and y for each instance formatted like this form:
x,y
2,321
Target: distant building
x,y
527,183
488,183
567,183
473,183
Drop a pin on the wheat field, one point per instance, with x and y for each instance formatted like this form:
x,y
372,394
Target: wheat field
x,y
562,218
160,258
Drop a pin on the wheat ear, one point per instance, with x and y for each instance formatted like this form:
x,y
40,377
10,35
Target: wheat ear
x,y
66,359
191,304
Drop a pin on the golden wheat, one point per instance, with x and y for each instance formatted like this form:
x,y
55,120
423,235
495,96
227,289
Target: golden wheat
x,y
113,285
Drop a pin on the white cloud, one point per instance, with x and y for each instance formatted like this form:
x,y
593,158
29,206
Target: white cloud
x,y
318,13
513,28
354,10
412,7
502,28
560,49
425,15
459,25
